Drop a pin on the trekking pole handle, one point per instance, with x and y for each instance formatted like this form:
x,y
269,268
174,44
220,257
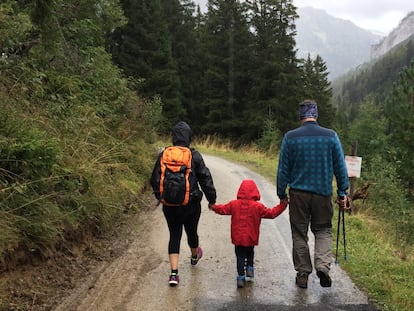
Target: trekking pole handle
x,y
343,203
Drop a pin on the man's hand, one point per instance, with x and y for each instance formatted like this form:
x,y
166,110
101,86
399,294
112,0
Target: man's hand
x,y
343,202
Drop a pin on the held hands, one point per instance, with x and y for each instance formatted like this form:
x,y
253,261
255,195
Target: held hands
x,y
210,206
284,201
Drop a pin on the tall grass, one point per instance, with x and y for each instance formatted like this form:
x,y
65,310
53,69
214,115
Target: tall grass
x,y
75,137
69,171
249,155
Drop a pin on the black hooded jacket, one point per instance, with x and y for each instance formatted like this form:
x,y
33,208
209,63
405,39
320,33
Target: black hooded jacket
x,y
200,174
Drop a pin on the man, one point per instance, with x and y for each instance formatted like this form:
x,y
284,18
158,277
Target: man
x,y
310,156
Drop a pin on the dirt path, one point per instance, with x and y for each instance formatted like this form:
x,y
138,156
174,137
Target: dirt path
x,y
138,279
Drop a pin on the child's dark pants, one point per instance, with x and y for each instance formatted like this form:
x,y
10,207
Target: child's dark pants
x,y
245,256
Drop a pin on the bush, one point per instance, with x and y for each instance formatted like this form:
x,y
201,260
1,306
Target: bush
x,y
271,138
390,200
27,161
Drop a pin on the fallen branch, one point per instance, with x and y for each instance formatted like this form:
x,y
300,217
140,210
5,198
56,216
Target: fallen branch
x,y
359,194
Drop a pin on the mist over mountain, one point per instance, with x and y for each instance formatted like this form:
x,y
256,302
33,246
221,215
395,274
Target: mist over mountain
x,y
341,44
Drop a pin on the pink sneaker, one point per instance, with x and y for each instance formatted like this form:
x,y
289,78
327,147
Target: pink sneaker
x,y
194,261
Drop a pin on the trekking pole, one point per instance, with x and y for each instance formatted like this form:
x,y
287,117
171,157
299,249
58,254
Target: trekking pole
x,y
343,231
341,214
337,235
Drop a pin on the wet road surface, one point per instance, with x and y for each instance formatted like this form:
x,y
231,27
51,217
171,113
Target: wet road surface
x,y
138,280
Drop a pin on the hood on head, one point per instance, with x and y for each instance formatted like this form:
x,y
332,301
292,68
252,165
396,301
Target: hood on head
x,y
248,190
181,134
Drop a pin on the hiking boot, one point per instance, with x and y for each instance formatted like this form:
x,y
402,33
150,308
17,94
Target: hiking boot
x,y
241,281
324,278
194,261
174,280
302,280
250,272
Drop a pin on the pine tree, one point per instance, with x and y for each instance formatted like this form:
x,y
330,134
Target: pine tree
x,y
400,111
315,85
226,43
182,23
276,74
143,50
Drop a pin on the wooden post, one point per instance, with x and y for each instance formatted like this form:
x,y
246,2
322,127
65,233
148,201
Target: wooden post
x,y
353,152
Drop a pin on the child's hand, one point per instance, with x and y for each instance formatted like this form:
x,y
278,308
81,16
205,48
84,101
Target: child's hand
x,y
210,206
285,201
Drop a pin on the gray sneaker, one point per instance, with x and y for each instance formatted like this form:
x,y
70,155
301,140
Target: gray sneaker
x,y
241,281
250,272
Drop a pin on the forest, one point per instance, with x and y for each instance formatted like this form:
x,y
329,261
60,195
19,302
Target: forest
x,y
226,71
87,87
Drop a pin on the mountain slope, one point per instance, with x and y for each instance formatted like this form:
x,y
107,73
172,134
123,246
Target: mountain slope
x,y
341,44
374,78
404,30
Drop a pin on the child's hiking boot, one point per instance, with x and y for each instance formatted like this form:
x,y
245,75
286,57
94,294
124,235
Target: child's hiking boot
x,y
194,260
249,273
241,281
174,280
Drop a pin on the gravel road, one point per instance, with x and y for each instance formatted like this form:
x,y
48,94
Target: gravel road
x,y
138,279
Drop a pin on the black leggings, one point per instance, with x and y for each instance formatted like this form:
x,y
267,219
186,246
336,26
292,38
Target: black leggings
x,y
245,257
179,217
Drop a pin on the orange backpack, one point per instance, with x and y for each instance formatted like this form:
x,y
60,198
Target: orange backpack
x,y
175,171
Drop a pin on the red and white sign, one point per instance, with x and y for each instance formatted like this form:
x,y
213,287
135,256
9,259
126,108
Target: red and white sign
x,y
353,165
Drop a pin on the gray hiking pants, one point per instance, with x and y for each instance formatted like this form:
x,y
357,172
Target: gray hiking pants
x,y
308,208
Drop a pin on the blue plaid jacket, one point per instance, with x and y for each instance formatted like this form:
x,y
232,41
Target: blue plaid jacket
x,y
310,157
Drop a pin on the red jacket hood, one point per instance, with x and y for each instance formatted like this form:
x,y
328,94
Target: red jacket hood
x,y
248,191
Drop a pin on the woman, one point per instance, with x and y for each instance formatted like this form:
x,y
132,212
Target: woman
x,y
185,216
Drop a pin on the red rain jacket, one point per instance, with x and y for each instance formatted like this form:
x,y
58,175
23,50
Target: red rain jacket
x,y
246,214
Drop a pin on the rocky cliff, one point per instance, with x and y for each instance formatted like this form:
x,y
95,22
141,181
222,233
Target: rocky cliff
x,y
404,31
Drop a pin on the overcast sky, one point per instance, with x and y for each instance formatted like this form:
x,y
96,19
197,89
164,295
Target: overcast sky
x,y
380,15
377,15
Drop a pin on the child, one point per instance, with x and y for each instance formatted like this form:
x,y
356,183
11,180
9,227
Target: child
x,y
246,215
